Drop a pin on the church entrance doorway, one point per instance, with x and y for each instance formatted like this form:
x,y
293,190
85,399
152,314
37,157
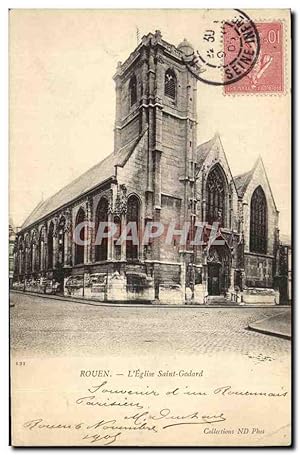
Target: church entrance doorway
x,y
218,270
214,279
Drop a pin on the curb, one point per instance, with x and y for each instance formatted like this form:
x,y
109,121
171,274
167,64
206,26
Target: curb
x,y
275,333
142,305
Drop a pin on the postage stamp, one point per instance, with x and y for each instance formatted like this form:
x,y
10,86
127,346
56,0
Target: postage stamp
x,y
267,75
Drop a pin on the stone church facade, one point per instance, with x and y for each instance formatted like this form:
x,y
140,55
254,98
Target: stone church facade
x,y
156,173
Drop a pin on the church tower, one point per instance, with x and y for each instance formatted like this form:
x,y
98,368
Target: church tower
x,y
155,91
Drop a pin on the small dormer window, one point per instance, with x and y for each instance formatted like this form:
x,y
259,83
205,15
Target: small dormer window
x,y
133,90
170,84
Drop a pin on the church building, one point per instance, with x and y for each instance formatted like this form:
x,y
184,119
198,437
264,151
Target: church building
x,y
156,173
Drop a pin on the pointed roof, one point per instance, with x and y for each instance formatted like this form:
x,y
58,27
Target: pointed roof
x,y
204,149
242,181
92,178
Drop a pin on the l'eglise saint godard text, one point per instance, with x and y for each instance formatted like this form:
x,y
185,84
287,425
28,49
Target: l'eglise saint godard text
x,y
163,373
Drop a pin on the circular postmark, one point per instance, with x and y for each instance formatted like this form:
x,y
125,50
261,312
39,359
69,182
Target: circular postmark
x,y
227,49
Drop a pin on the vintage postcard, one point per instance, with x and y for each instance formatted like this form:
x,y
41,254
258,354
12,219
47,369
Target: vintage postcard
x,y
150,227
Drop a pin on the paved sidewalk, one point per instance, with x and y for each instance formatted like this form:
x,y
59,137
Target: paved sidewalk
x,y
276,325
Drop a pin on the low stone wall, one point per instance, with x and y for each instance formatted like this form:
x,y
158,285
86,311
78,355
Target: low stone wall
x,y
39,286
171,295
200,293
142,283
17,286
73,286
260,296
104,287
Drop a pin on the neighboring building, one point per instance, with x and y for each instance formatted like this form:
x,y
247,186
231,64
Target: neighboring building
x,y
156,172
11,246
284,278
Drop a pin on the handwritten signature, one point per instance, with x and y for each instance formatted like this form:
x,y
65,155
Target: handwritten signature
x,y
192,418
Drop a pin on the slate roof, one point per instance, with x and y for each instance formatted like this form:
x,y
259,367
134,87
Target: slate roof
x,y
203,150
242,181
90,179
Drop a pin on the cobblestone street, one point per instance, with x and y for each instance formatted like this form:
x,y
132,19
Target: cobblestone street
x,y
53,327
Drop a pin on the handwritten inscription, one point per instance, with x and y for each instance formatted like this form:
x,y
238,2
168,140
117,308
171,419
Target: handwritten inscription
x,y
138,409
108,431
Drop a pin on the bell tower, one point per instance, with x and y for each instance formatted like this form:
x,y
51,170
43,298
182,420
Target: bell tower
x,y
156,91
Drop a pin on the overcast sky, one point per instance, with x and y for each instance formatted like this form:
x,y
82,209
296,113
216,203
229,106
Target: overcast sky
x,y
62,102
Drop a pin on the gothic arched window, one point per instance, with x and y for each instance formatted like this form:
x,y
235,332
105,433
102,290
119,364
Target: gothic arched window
x,y
21,263
133,213
33,251
79,249
21,257
215,196
258,222
50,245
170,84
61,240
42,249
101,217
116,246
133,90
27,254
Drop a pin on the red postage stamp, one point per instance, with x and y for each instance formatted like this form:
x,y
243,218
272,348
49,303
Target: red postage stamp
x,y
267,75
